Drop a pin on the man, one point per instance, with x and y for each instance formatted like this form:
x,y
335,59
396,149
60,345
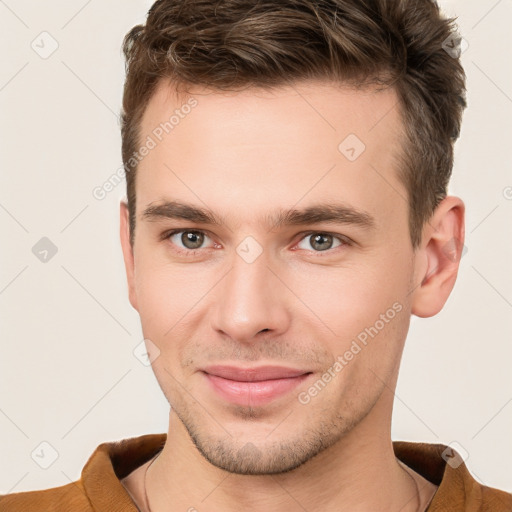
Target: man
x,y
287,164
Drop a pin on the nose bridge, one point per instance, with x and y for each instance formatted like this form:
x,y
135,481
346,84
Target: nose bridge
x,y
250,298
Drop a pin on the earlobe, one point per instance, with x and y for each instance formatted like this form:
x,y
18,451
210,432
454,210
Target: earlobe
x,y
129,261
437,261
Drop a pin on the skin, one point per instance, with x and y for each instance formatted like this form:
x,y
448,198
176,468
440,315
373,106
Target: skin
x,y
243,155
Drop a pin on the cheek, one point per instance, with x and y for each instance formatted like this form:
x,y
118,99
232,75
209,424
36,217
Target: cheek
x,y
166,291
155,301
363,312
347,298
170,299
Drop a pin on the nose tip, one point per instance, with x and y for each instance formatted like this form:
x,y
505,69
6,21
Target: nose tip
x,y
248,303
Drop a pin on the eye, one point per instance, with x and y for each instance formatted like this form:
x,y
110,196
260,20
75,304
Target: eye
x,y
322,242
189,241
186,240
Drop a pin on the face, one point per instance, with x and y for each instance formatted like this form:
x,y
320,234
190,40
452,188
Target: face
x,y
279,321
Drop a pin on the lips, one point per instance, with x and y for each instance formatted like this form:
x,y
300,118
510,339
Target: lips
x,y
254,374
253,386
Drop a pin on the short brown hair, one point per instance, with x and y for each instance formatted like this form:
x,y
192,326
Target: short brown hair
x,y
232,44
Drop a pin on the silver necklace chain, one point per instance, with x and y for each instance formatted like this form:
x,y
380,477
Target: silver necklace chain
x,y
146,500
418,500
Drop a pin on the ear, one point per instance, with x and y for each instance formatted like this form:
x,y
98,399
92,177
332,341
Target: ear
x,y
438,257
127,252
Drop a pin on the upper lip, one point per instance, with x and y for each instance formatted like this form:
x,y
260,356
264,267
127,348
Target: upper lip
x,y
259,373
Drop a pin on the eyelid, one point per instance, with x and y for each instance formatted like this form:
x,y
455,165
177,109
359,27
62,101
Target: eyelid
x,y
345,241
167,234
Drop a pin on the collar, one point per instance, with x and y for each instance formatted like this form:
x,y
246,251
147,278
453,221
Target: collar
x,y
458,490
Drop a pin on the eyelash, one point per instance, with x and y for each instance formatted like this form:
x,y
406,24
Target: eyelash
x,y
345,241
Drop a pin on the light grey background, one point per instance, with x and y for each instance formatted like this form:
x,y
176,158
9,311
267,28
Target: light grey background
x,y
68,374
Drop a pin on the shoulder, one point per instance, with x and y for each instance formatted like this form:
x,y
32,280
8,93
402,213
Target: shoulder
x,y
57,499
100,486
458,489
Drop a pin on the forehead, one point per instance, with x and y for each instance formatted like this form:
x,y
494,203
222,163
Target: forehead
x,y
274,147
331,104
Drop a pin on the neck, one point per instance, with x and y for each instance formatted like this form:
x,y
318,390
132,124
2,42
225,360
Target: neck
x,y
358,474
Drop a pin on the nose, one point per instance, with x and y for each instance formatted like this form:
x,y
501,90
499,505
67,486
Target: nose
x,y
251,299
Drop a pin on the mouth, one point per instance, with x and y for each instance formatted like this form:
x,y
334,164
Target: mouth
x,y
253,386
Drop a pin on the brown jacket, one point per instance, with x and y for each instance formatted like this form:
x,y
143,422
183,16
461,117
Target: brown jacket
x,y
100,490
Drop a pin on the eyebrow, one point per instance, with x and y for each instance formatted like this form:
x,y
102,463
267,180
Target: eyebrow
x,y
333,213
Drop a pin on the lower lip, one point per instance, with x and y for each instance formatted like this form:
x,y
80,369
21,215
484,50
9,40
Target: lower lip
x,y
253,393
